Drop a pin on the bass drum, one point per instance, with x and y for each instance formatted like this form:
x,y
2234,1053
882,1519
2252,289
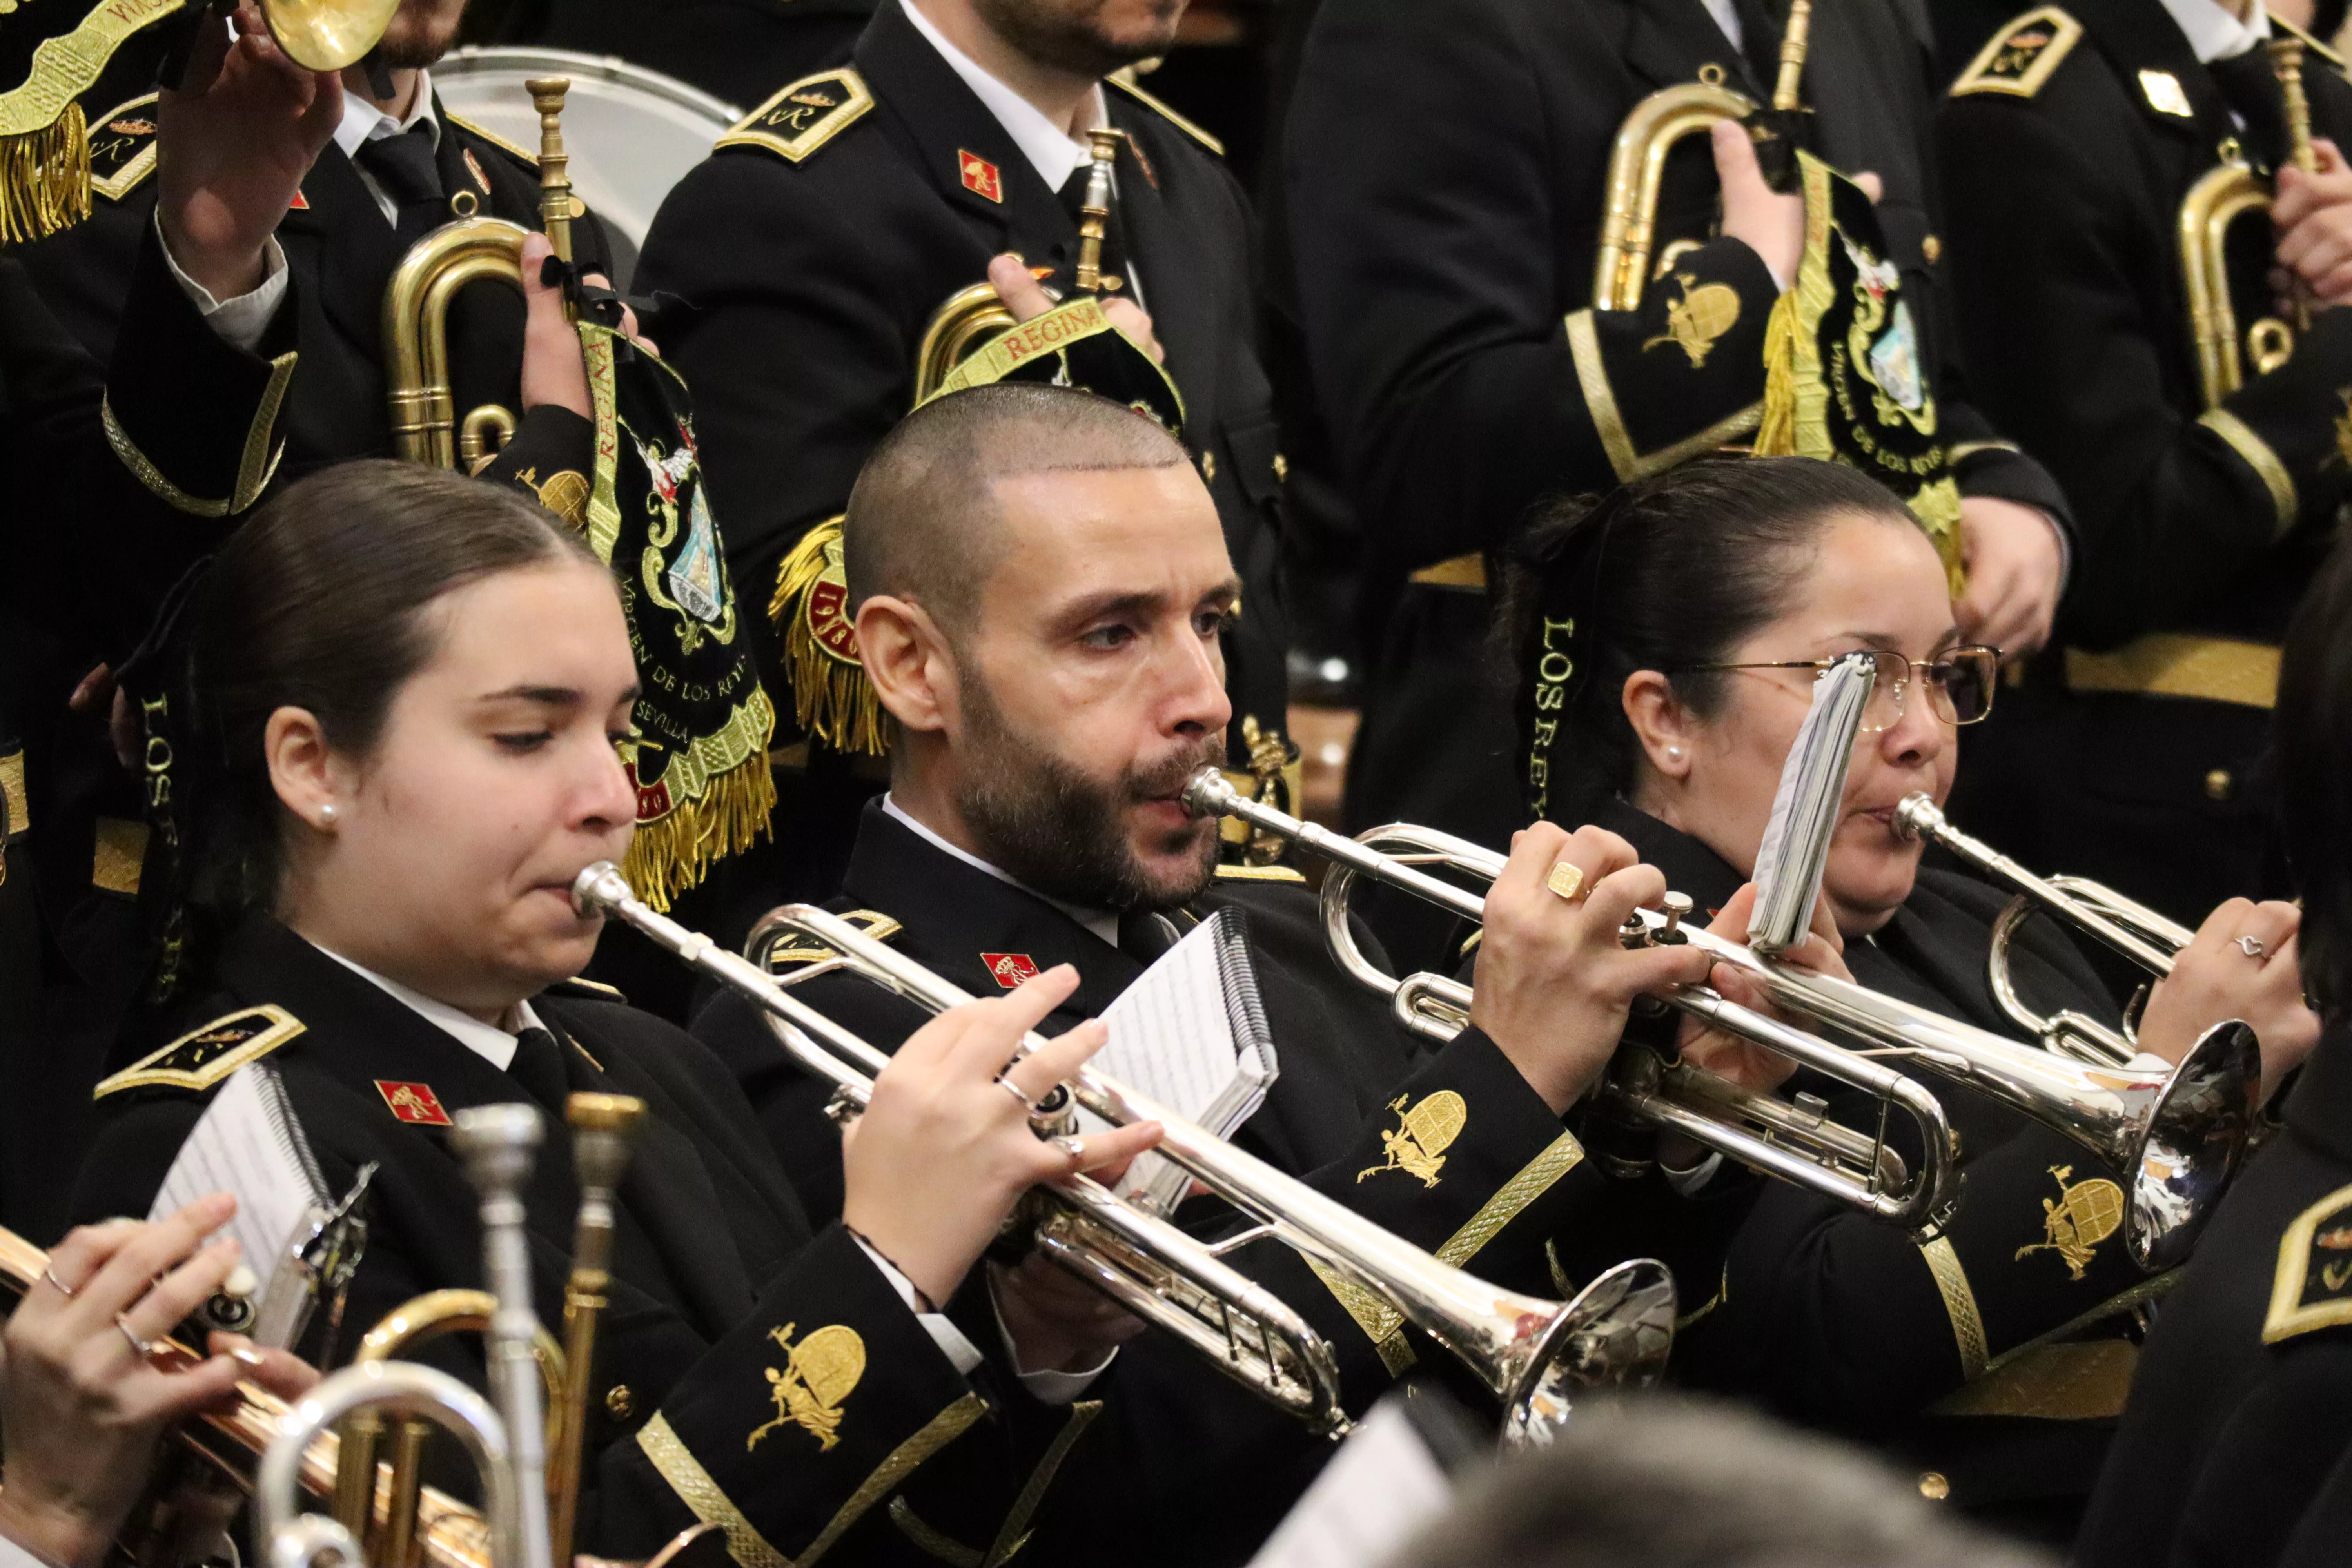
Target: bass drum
x,y
633,133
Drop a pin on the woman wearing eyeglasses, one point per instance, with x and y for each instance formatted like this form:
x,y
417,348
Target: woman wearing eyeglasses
x,y
1665,642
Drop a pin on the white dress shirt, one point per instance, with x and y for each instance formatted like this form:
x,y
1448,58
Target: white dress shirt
x,y
2215,32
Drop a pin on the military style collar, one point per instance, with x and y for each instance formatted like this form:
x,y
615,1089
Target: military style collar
x,y
980,931
360,118
1050,149
2158,68
962,148
2319,1106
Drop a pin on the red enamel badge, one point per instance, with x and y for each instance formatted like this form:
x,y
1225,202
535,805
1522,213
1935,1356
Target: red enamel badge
x,y
413,1102
1010,968
301,204
980,175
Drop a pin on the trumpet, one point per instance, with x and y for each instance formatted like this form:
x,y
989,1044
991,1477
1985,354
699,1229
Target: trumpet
x,y
231,1443
2130,928
2178,1138
1793,1140
1532,1353
503,1434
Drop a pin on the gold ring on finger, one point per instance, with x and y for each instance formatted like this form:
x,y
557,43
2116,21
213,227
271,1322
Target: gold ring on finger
x,y
1567,879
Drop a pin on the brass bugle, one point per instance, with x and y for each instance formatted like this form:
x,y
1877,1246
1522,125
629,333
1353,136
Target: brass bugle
x,y
2175,1138
231,1442
1794,1141
2220,196
416,323
1532,1353
2124,924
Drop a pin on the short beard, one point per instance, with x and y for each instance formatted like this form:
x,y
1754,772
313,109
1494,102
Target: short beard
x,y
1061,834
1062,34
417,39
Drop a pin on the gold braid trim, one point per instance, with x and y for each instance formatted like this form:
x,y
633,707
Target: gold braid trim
x,y
256,467
2260,458
1382,1321
1960,1301
1015,1533
942,1429
709,1504
832,698
936,1542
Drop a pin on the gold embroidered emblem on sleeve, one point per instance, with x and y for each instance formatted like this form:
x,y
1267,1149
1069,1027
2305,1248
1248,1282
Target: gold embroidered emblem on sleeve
x,y
1703,314
2082,1216
1417,1144
818,1373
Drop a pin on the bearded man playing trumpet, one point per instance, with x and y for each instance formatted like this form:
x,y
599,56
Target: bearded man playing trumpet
x,y
1696,609
1039,584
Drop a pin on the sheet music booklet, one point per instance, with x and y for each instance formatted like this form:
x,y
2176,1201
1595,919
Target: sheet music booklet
x,y
1806,809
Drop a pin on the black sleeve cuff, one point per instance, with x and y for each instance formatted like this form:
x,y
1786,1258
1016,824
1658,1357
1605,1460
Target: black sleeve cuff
x,y
549,457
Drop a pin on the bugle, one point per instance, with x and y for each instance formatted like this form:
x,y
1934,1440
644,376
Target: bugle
x,y
1532,1353
1793,1140
2128,926
2175,1138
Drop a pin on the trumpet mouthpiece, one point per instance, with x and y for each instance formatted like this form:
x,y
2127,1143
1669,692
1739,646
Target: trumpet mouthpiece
x,y
1916,817
1209,793
598,888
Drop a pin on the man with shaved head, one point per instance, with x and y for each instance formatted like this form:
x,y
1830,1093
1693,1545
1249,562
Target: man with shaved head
x,y
1038,581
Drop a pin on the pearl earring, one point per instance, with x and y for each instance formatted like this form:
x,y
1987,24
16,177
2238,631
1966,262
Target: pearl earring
x,y
326,812
1674,754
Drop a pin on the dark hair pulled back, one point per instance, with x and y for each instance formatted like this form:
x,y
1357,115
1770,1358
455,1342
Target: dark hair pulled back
x,y
319,602
1662,573
2312,728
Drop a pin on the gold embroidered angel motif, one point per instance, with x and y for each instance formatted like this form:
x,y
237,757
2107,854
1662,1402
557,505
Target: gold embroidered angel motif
x,y
2084,1215
1423,1133
817,1376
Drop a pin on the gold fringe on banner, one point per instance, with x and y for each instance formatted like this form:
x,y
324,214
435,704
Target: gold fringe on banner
x,y
45,179
832,698
670,854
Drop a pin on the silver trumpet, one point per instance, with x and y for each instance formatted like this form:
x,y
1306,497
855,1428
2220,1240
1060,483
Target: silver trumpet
x,y
505,1438
2144,937
2176,1138
1531,1352
1793,1140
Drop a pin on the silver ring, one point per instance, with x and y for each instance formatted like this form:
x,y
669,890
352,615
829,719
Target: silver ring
x,y
139,1347
1012,1088
2251,947
50,1274
1076,1148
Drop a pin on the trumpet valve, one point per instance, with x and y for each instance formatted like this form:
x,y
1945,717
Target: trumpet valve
x,y
1676,907
842,1107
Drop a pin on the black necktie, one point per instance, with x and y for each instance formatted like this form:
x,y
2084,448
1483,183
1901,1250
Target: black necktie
x,y
404,168
2251,85
537,1066
1144,935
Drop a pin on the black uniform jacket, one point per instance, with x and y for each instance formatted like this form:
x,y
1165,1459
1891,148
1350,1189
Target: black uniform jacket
x,y
1839,1321
736,49
2233,1447
2066,153
1512,1180
814,245
1446,170
717,1264
109,280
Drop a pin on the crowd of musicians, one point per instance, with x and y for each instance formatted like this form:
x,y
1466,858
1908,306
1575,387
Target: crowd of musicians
x,y
913,535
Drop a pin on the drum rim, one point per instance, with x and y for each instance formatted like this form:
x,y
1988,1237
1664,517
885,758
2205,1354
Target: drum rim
x,y
538,60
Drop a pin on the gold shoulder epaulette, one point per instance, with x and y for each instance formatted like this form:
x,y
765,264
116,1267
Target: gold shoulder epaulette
x,y
802,118
529,158
588,990
873,922
2311,44
1125,84
2022,54
1259,874
122,147
203,1057
2312,1287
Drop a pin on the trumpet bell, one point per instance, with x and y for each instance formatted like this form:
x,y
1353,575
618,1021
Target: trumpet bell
x,y
327,35
2195,1138
1616,1331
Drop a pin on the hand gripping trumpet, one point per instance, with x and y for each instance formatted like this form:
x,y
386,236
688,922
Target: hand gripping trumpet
x,y
1532,1353
2175,1138
2129,927
1794,1141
